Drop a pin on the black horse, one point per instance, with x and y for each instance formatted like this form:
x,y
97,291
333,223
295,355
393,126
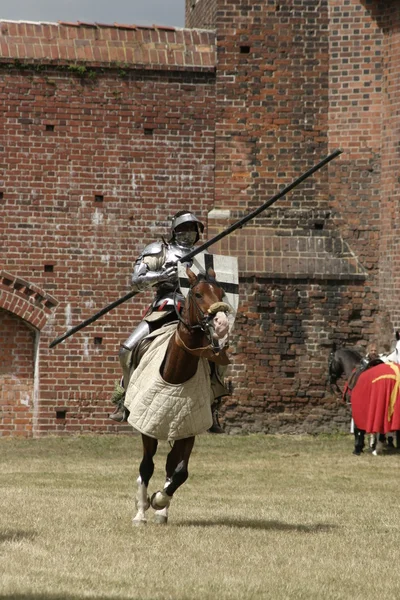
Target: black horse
x,y
341,363
349,364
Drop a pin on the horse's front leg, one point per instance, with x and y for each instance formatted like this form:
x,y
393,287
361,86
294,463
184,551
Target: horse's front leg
x,y
176,471
146,471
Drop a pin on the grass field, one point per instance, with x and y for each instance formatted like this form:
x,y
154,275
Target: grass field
x,y
275,517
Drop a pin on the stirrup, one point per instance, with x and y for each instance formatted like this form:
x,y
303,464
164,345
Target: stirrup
x,y
215,427
120,416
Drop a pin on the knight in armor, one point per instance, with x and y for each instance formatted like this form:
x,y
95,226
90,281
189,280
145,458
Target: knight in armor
x,y
157,267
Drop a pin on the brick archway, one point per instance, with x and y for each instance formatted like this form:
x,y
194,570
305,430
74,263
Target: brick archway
x,y
24,310
26,300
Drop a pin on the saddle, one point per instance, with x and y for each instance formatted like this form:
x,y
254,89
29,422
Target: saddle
x,y
141,348
350,384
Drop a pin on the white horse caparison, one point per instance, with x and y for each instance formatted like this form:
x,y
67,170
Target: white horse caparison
x,y
393,357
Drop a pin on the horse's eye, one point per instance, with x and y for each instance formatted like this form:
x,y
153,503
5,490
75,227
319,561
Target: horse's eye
x,y
198,295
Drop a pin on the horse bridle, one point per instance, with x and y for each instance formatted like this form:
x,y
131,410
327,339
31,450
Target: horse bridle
x,y
204,319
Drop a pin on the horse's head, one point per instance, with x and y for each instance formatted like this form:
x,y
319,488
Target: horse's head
x,y
341,362
204,307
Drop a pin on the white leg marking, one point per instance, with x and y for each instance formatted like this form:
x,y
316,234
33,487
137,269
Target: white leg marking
x,y
161,516
142,503
379,447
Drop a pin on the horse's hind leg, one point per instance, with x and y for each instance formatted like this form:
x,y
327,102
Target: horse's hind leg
x,y
379,444
359,438
372,441
177,472
146,470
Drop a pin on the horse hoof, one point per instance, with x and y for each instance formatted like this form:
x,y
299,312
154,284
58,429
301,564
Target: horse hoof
x,y
139,522
160,519
160,500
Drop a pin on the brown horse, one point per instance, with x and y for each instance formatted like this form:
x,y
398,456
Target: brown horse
x,y
192,345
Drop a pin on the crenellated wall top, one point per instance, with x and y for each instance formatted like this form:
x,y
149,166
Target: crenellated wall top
x,y
105,45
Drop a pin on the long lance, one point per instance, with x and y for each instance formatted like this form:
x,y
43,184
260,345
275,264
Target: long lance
x,y
238,225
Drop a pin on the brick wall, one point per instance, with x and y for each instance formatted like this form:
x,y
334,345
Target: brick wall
x,y
293,83
110,130
17,354
280,376
200,13
97,155
389,198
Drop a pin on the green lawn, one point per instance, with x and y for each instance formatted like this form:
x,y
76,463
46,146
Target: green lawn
x,y
260,517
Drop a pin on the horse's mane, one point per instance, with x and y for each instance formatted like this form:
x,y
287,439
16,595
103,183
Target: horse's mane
x,y
350,352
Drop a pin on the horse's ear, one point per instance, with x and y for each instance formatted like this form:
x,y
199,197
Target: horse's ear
x,y
211,273
191,276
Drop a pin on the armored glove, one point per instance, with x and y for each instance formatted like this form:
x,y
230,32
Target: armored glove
x,y
142,278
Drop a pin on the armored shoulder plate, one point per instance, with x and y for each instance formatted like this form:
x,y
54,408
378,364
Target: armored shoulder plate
x,y
152,249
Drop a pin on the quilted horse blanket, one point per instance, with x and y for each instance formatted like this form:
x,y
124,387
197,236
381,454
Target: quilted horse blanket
x,y
375,399
168,411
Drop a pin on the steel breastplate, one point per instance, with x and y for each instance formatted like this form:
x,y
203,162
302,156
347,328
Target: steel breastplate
x,y
166,289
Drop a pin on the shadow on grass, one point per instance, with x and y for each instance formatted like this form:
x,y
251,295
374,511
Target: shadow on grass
x,y
259,524
16,536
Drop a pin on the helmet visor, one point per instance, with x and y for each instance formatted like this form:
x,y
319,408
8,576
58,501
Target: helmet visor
x,y
186,239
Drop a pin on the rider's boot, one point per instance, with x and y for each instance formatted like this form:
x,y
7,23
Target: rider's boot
x,y
120,414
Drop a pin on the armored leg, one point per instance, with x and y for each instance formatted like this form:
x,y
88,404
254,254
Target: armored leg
x,y
125,358
126,349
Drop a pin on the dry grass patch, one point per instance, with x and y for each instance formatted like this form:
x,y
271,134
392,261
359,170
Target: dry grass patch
x,y
260,517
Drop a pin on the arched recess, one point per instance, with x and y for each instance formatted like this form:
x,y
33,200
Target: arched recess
x,y
26,300
24,310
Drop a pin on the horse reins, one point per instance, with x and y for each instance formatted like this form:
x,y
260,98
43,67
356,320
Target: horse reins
x,y
204,323
204,318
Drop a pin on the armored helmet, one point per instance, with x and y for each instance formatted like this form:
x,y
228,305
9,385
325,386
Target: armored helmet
x,y
184,238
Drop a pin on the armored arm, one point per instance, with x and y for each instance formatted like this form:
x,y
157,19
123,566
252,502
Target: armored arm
x,y
151,269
